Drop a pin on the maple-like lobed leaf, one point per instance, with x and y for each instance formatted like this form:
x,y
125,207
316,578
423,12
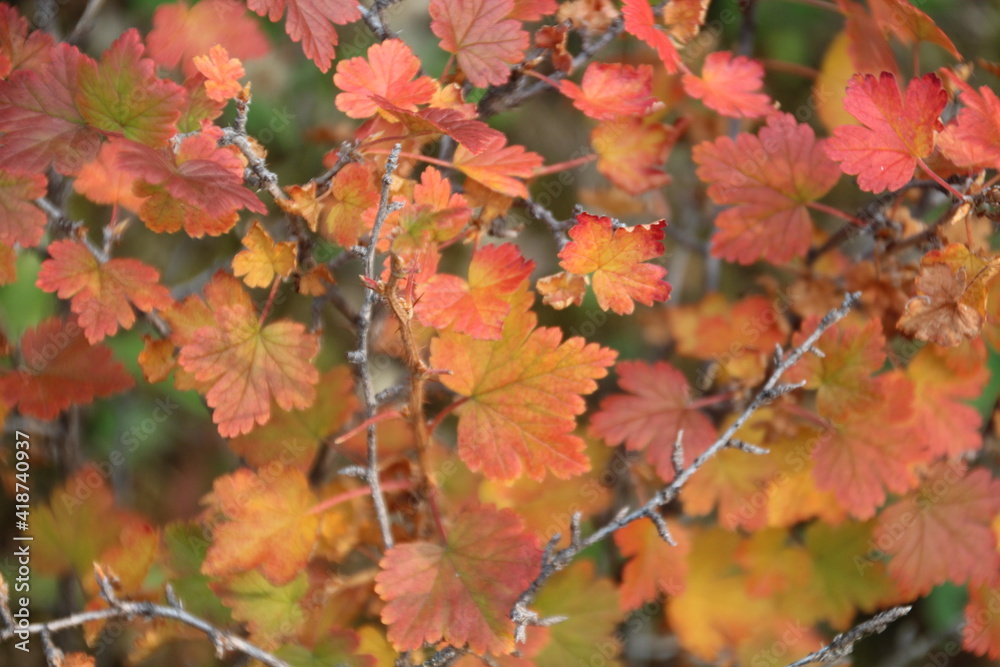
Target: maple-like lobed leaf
x,y
20,47
473,134
21,222
181,32
650,415
894,133
477,307
103,182
268,526
498,167
221,72
981,630
615,260
633,151
524,392
103,293
941,532
685,19
41,121
768,179
973,139
351,196
654,565
388,73
461,591
263,259
310,22
562,289
612,90
60,369
247,364
481,36
640,22
730,85
122,95
910,24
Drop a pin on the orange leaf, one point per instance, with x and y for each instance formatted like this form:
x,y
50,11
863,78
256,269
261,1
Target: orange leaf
x,y
310,22
941,532
895,133
480,35
640,21
103,294
477,307
462,591
60,369
769,179
981,630
20,220
103,182
685,18
730,86
351,194
388,73
247,365
632,152
616,258
562,289
973,139
156,359
524,392
498,167
654,566
611,90
221,72
910,24
21,48
952,290
268,526
263,259
649,417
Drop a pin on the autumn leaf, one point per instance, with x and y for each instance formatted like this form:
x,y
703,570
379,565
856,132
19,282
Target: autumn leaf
x,y
20,220
41,121
310,22
895,134
103,182
769,180
910,24
107,98
612,90
730,85
973,139
654,566
981,630
387,73
351,194
198,187
183,552
473,134
263,259
273,613
461,591
268,526
640,21
103,293
221,72
952,289
941,531
523,393
247,364
562,289
632,152
498,167
477,307
20,48
181,32
685,19
59,368
650,416
436,215
615,260
481,36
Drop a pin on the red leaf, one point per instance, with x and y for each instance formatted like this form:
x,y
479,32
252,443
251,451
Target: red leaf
x,y
498,167
480,35
460,592
633,151
730,86
474,134
616,258
181,32
611,90
769,220
648,417
19,48
523,392
941,532
973,139
60,369
20,220
198,187
311,22
40,119
640,21
910,24
896,133
388,73
103,294
477,307
654,566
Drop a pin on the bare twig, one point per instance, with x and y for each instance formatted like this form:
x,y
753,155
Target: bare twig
x,y
843,644
256,175
361,356
556,226
224,642
554,560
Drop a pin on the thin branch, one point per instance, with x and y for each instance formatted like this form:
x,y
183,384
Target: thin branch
x,y
556,226
555,560
257,175
224,642
843,644
361,356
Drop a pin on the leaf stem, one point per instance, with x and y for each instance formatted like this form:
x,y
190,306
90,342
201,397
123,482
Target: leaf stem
x,y
563,166
940,181
361,491
270,301
836,212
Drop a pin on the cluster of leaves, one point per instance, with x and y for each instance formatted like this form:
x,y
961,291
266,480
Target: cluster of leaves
x,y
360,524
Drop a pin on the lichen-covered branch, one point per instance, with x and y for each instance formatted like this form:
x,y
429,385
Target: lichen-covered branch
x,y
843,644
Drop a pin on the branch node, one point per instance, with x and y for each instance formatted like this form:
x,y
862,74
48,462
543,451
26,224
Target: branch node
x,y
661,527
677,458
